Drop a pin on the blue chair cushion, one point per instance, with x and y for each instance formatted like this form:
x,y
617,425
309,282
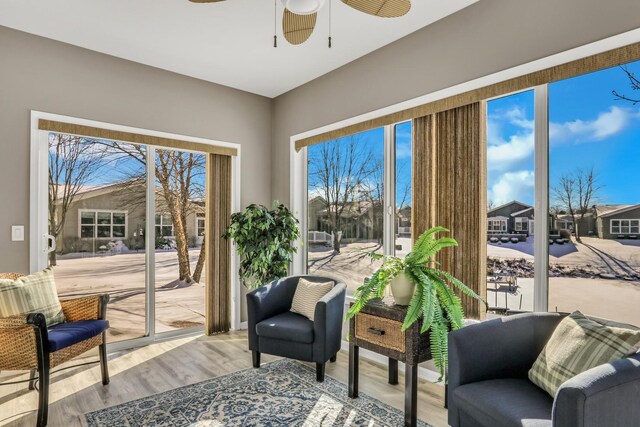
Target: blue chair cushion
x,y
287,326
67,334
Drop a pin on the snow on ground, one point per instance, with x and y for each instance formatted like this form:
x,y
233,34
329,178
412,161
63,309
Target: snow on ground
x,y
122,276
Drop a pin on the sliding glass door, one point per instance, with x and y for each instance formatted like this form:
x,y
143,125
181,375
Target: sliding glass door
x,y
128,220
179,256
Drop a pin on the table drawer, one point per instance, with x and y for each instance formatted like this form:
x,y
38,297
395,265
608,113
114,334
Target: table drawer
x,y
380,331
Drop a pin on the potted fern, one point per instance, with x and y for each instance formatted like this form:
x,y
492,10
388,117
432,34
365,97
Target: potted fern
x,y
433,298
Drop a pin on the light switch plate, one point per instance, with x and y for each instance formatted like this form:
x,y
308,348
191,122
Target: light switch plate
x,y
17,233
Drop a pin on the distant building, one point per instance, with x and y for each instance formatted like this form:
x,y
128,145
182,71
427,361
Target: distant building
x,y
603,221
511,218
117,212
616,221
359,220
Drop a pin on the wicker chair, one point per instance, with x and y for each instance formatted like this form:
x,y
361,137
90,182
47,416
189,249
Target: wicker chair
x,y
25,343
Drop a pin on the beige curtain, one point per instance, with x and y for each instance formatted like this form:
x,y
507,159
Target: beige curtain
x,y
449,182
218,250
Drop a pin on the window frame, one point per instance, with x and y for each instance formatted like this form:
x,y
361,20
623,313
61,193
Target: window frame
x,y
620,225
519,222
95,224
161,215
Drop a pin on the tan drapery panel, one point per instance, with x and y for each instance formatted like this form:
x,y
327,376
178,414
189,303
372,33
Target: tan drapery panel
x,y
218,250
138,138
449,181
578,67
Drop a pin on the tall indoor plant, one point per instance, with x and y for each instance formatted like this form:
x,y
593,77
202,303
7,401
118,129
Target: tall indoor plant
x,y
433,300
264,240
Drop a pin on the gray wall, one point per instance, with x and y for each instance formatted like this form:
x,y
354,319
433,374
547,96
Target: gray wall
x,y
487,37
41,74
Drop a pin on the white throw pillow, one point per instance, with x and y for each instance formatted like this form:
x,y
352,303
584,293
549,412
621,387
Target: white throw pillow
x,y
307,296
35,293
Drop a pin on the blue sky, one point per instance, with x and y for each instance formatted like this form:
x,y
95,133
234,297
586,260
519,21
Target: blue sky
x,y
588,128
373,140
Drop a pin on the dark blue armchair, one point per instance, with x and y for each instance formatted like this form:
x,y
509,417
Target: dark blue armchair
x,y
273,329
488,383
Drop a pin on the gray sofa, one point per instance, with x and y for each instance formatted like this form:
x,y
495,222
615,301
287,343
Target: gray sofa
x,y
488,385
273,329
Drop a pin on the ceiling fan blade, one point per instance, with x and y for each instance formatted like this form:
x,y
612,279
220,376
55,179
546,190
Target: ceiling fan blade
x,y
205,1
297,28
382,8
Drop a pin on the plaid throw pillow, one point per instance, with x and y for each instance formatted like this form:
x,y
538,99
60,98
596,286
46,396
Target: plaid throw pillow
x,y
577,345
35,293
307,296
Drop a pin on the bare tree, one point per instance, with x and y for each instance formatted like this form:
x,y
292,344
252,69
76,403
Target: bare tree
x,y
576,192
490,205
177,174
337,170
634,82
73,161
371,193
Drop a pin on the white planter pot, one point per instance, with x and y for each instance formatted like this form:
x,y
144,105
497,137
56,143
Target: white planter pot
x,y
402,289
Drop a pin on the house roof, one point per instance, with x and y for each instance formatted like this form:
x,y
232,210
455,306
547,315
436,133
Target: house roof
x,y
510,203
498,217
522,211
609,210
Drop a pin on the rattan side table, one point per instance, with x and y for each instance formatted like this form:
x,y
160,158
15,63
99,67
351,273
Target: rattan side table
x,y
378,328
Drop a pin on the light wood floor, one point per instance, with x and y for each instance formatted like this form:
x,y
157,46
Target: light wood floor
x,y
167,365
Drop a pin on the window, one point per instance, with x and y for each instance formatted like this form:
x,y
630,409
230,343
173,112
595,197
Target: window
x,y
497,225
345,206
200,225
625,226
164,225
403,193
593,141
522,224
510,191
103,224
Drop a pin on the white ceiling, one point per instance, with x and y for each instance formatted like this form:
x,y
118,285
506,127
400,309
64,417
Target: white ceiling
x,y
230,43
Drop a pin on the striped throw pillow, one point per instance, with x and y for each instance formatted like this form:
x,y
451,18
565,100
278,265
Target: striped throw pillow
x,y
307,296
35,293
577,345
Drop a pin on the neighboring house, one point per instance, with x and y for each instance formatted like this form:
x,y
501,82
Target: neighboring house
x,y
511,218
99,215
615,221
586,225
360,220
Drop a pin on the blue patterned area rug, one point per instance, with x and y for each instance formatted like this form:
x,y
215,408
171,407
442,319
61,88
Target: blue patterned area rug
x,y
281,393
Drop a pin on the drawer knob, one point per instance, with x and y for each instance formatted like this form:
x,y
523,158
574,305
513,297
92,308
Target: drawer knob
x,y
376,331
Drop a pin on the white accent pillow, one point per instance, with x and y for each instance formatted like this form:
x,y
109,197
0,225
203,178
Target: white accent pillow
x,y
307,296
35,293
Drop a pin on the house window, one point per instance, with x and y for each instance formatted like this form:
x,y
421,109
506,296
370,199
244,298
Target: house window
x,y
103,224
164,225
625,226
522,224
497,225
200,225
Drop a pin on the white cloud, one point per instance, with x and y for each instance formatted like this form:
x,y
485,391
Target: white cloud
x,y
512,186
607,124
502,155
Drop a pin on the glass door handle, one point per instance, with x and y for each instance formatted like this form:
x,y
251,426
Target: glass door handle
x,y
51,243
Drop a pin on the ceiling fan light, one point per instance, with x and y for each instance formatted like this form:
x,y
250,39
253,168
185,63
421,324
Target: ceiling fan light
x,y
303,7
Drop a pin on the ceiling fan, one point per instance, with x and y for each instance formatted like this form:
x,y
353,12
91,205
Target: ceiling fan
x,y
299,16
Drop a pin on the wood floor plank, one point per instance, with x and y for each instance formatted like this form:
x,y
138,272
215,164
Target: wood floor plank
x,y
167,365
